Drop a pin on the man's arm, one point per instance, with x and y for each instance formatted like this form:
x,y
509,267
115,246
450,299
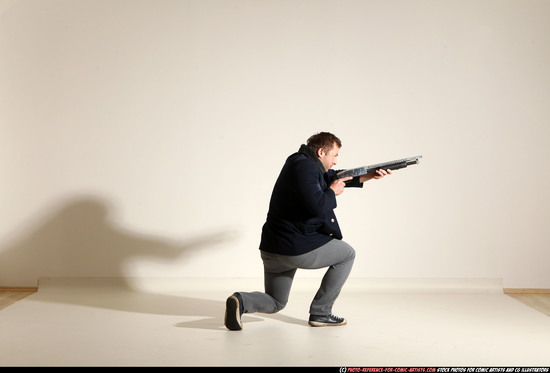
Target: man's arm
x,y
316,200
378,175
338,185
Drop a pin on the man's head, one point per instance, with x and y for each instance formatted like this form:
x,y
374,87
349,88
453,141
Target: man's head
x,y
326,147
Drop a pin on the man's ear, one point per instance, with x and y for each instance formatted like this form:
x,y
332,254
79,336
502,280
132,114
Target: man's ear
x,y
320,152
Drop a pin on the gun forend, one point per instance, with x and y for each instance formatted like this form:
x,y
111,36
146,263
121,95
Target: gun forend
x,y
392,165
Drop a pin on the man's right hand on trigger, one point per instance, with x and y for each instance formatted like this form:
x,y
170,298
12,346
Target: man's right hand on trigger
x,y
338,185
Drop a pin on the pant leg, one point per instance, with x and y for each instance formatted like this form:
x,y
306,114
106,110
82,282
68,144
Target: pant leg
x,y
278,278
338,256
279,271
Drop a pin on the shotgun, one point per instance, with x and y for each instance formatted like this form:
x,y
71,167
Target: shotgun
x,y
392,165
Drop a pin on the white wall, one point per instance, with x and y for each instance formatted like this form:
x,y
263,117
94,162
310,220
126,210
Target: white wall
x,y
142,138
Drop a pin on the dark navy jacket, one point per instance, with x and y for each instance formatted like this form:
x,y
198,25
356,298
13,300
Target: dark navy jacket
x,y
301,216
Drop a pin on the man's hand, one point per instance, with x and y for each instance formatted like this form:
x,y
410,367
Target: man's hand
x,y
381,173
338,185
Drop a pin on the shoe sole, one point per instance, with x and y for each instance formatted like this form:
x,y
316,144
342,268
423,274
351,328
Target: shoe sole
x,y
320,324
232,319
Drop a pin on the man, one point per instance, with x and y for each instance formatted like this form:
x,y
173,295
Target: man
x,y
301,231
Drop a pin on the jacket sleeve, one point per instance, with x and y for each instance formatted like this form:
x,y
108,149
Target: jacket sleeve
x,y
317,197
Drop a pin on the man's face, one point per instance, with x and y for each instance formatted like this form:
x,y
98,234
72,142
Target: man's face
x,y
328,159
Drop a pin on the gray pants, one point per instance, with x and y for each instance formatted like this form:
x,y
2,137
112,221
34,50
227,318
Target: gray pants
x,y
279,272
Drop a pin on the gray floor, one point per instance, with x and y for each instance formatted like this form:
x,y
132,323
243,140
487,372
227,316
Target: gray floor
x,y
156,322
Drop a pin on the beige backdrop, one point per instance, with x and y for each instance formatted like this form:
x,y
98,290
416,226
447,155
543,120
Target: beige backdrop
x,y
142,138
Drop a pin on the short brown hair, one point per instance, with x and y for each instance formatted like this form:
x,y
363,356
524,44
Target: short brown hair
x,y
323,140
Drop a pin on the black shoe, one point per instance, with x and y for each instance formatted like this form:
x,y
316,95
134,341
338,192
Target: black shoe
x,y
326,320
233,312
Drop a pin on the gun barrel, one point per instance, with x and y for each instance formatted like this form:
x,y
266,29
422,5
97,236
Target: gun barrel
x,y
395,166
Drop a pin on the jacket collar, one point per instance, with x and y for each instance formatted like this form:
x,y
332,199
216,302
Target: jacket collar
x,y
306,150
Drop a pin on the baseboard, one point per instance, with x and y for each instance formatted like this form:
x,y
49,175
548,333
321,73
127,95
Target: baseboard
x,y
18,288
526,291
371,285
506,290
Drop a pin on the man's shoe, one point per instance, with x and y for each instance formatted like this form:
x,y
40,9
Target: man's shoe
x,y
326,320
233,312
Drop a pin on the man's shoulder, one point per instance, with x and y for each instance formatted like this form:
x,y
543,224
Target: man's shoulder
x,y
298,157
300,161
